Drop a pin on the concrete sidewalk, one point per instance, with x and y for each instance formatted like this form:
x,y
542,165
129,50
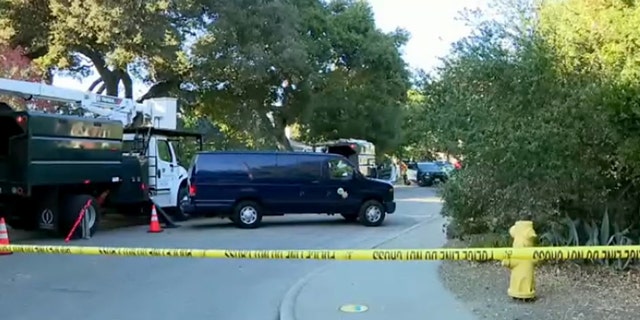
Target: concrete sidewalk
x,y
390,290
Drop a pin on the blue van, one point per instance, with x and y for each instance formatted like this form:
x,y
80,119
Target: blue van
x,y
245,186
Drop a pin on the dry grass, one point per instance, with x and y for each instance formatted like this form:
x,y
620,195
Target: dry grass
x,y
565,291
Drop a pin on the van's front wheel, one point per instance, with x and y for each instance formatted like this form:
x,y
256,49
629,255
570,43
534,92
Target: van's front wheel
x,y
372,213
247,215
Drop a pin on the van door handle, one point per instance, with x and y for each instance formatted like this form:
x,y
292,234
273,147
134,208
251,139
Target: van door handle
x,y
315,181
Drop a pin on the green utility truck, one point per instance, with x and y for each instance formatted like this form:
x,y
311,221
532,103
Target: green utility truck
x,y
52,166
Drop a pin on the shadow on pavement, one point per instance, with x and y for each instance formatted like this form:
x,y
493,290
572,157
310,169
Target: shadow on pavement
x,y
110,222
297,220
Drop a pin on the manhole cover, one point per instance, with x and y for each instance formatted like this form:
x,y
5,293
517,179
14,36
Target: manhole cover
x,y
354,308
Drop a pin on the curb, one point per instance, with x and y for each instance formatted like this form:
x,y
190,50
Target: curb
x,y
286,311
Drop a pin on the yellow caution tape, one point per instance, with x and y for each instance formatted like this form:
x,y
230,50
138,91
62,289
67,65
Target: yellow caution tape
x,y
472,254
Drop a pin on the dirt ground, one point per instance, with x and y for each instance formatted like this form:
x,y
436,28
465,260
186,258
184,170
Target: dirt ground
x,y
565,291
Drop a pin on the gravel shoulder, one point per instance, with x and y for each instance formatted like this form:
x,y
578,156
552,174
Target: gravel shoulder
x,y
565,291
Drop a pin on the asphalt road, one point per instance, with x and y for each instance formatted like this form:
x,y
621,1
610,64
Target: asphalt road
x,y
107,288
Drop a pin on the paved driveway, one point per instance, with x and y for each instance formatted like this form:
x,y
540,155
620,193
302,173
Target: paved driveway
x,y
107,288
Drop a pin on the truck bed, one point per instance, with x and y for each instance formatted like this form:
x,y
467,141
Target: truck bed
x,y
49,149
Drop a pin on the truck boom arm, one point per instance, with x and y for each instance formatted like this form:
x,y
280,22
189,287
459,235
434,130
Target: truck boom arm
x,y
160,112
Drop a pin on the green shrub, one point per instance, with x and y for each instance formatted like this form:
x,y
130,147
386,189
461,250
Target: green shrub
x,y
577,232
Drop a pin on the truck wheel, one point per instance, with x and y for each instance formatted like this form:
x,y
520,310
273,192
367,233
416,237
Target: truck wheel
x,y
177,214
247,215
372,213
71,209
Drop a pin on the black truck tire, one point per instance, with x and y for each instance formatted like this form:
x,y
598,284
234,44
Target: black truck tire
x,y
72,205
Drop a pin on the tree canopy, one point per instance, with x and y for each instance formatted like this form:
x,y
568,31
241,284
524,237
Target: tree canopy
x,y
15,65
248,68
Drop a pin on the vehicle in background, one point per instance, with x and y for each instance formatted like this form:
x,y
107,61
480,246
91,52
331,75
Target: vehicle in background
x,y
425,174
446,166
361,153
246,186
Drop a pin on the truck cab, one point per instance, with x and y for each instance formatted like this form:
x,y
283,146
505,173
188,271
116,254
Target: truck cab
x,y
167,178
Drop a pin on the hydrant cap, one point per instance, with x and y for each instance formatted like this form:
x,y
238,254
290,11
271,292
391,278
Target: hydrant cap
x,y
526,223
523,229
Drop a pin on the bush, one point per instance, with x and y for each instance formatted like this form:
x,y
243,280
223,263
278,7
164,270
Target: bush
x,y
545,123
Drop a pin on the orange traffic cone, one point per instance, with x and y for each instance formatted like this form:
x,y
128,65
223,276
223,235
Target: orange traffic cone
x,y
4,238
154,226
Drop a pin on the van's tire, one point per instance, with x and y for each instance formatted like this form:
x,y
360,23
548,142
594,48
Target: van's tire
x,y
372,213
247,214
71,207
177,214
350,217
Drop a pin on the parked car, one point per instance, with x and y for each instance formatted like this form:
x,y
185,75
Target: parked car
x,y
446,166
245,186
425,174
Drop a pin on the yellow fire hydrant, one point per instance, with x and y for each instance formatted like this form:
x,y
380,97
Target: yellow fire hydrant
x,y
522,283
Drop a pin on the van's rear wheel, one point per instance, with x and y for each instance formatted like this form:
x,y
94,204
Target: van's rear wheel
x,y
247,215
372,213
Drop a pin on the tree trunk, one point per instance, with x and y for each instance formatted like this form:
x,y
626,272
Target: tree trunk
x,y
110,78
95,84
282,142
48,76
127,83
111,82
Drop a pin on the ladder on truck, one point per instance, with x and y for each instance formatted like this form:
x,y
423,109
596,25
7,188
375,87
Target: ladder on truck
x,y
145,139
153,164
152,160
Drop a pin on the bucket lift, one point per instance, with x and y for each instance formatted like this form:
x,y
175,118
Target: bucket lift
x,y
157,112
